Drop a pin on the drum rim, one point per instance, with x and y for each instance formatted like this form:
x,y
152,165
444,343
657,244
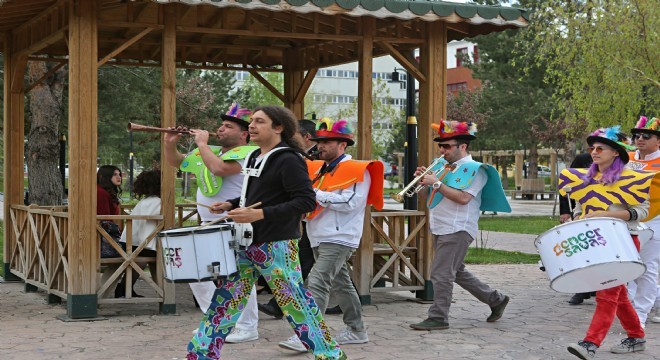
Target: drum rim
x,y
639,262
205,230
575,221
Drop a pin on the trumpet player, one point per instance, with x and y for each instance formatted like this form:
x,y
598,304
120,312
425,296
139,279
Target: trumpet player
x,y
459,189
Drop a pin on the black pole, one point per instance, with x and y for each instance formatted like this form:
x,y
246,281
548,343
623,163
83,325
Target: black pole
x,y
130,157
63,161
410,160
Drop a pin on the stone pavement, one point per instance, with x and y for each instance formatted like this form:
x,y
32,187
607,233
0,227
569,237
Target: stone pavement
x,y
537,324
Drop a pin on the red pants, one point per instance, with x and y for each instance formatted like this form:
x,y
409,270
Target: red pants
x,y
611,302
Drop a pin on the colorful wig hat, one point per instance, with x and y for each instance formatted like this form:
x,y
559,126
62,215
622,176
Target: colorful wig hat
x,y
613,137
646,126
326,129
238,115
454,130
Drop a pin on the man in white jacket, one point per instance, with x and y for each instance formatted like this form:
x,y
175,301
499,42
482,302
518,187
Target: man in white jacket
x,y
343,190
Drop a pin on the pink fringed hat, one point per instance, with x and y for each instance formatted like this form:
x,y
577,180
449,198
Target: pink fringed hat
x,y
326,129
644,125
238,115
454,130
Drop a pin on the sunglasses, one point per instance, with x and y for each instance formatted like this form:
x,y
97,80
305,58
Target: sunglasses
x,y
447,146
645,136
598,149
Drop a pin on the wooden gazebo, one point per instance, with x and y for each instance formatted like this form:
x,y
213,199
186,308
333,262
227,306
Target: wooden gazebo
x,y
56,249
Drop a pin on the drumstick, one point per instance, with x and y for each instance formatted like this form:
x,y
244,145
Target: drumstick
x,y
226,216
196,203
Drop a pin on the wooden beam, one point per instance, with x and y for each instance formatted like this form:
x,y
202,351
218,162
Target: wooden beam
x,y
307,82
83,123
168,119
404,61
45,76
43,43
38,17
266,34
268,85
125,45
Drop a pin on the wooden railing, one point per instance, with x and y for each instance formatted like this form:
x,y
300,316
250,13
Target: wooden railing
x,y
396,257
37,251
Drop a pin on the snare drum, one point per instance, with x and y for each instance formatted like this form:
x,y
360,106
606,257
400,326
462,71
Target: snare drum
x,y
589,255
198,253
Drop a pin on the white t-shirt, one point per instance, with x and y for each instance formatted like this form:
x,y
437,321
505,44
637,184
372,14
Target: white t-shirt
x,y
450,217
230,189
142,228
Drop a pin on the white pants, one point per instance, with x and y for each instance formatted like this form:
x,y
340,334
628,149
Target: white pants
x,y
249,319
644,290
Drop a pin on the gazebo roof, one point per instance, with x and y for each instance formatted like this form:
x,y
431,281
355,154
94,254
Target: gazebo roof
x,y
261,34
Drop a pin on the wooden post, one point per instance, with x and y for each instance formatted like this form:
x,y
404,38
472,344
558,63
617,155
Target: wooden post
x,y
519,169
293,78
83,123
432,107
364,256
14,130
168,118
553,170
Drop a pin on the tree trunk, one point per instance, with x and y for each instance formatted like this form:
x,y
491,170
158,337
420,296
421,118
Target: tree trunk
x,y
532,166
42,149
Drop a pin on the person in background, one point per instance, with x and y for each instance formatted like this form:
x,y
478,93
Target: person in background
x,y
643,290
581,161
607,174
218,174
146,188
108,195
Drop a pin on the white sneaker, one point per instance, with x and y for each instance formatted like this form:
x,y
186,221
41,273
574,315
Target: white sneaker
x,y
293,343
238,336
656,318
349,336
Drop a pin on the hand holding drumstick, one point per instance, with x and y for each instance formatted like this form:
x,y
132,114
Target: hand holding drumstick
x,y
240,215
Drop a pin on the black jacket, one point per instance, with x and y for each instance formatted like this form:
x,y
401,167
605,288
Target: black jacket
x,y
285,192
581,161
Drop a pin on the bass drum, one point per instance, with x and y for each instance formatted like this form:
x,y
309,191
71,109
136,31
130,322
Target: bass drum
x,y
589,255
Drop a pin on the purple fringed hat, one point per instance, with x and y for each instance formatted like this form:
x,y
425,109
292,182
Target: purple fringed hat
x,y
612,136
238,115
326,129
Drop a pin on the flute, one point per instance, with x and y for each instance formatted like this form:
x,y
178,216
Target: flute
x,y
145,128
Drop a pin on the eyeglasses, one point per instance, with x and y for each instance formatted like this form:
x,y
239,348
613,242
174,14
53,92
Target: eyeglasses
x,y
645,136
447,146
598,149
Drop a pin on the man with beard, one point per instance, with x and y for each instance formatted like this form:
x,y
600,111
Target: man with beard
x,y
344,188
218,174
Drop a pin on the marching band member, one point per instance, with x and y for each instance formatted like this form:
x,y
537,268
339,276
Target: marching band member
x,y
344,187
606,190
643,290
465,188
275,176
218,174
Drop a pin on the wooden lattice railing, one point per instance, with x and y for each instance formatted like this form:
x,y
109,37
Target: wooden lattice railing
x,y
37,250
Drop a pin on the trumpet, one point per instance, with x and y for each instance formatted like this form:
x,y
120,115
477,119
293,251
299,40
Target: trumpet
x,y
415,186
145,128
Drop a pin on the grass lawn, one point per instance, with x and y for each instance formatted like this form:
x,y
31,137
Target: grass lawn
x,y
518,224
491,256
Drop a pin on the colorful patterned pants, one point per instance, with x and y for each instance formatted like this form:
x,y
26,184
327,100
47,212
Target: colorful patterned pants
x,y
279,264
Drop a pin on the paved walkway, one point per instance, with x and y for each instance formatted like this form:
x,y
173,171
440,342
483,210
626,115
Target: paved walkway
x,y
537,324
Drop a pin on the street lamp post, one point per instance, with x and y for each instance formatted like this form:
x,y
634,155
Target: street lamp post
x,y
410,146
